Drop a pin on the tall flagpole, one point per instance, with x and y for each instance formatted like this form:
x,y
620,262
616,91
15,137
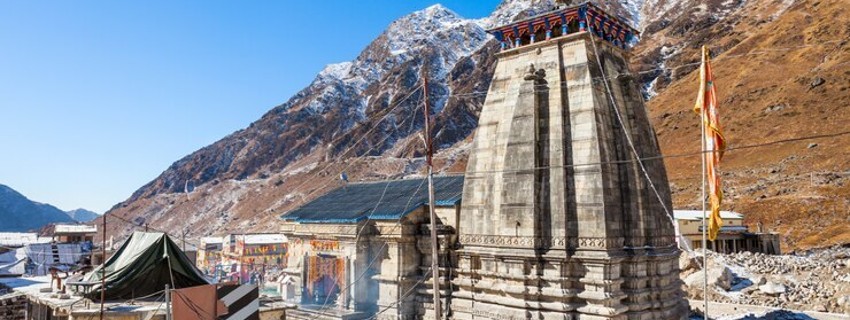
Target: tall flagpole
x,y
704,218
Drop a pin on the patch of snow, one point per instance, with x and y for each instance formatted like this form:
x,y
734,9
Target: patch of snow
x,y
336,70
648,89
633,7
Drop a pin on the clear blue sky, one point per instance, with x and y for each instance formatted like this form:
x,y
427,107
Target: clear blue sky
x,y
98,98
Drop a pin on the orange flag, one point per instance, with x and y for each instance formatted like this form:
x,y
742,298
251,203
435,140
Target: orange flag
x,y
715,144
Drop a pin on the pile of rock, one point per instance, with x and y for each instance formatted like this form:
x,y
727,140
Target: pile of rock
x,y
817,280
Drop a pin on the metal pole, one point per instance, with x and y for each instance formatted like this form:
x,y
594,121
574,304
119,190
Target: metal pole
x,y
429,152
183,238
167,303
704,225
103,267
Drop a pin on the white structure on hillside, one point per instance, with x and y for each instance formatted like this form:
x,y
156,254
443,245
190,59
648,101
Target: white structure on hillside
x,y
735,236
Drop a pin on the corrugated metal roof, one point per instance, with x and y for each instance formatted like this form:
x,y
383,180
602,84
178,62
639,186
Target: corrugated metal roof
x,y
358,201
697,214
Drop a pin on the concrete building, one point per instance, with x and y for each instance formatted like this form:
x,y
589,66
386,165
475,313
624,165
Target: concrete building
x,y
73,233
11,240
210,254
735,236
249,257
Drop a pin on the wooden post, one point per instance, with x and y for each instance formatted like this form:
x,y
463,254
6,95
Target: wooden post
x,y
429,153
103,267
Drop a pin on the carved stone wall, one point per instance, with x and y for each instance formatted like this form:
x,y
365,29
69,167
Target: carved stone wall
x,y
558,220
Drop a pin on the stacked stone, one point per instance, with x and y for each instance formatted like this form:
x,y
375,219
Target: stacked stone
x,y
557,220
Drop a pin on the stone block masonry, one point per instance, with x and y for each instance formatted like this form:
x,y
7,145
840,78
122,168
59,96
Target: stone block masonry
x,y
558,220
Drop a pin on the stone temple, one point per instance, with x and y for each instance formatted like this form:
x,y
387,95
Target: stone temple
x,y
554,217
558,219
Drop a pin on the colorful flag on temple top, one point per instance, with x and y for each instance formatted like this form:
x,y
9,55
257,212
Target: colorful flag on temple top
x,y
715,144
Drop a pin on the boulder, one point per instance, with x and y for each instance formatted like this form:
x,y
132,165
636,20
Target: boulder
x,y
772,288
720,276
816,82
687,262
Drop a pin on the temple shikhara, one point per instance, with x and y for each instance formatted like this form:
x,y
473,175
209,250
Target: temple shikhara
x,y
554,218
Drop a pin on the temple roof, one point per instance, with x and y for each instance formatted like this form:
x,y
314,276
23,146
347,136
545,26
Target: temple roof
x,y
578,18
587,5
357,201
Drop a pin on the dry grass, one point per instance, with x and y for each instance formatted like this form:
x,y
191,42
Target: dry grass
x,y
766,94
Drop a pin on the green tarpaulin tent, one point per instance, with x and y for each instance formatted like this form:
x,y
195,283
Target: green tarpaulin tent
x,y
143,266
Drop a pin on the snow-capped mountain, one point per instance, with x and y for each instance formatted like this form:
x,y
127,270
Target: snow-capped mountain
x,y
365,107
363,116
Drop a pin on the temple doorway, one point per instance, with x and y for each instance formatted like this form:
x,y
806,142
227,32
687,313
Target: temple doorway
x,y
325,280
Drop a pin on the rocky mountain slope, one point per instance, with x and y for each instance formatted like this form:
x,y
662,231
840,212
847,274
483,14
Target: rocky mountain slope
x,y
363,117
782,73
19,214
82,215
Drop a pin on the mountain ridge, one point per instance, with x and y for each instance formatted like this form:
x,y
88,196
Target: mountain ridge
x,y
362,116
82,215
20,214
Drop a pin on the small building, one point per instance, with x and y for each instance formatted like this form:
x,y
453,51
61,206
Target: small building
x,y
77,233
355,250
209,254
734,236
11,240
250,257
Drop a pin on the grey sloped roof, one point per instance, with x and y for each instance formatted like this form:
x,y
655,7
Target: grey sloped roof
x,y
358,201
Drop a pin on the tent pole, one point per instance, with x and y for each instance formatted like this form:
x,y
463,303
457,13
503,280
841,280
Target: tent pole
x,y
167,303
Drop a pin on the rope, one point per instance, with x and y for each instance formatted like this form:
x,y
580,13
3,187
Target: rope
x,y
636,154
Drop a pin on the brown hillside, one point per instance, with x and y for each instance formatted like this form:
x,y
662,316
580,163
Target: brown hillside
x,y
782,69
788,79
